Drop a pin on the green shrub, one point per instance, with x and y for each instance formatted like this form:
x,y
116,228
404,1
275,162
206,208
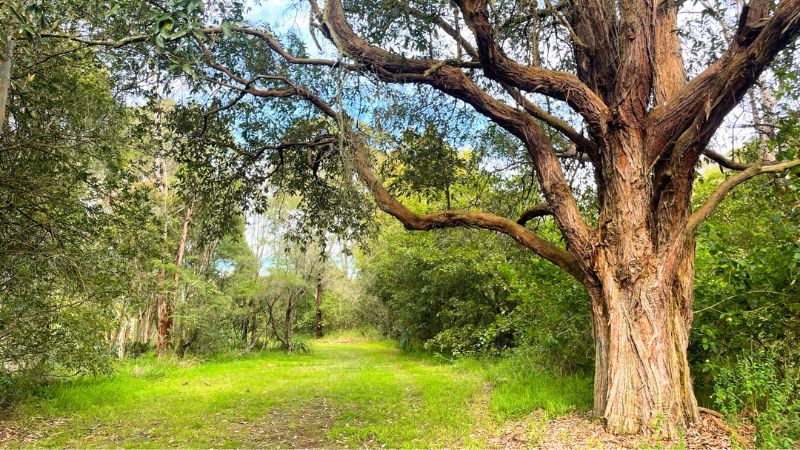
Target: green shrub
x,y
763,387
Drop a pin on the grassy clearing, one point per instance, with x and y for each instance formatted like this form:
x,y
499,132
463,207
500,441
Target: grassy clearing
x,y
345,393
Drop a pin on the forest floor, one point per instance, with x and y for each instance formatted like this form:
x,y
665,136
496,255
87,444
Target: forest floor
x,y
342,394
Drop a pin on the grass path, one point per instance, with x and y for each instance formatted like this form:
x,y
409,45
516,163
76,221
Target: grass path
x,y
340,395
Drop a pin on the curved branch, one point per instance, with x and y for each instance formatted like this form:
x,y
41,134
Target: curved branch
x,y
731,164
716,197
725,162
411,220
454,82
459,218
533,212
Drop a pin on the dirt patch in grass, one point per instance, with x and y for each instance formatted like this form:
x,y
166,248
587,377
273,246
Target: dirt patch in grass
x,y
18,433
296,426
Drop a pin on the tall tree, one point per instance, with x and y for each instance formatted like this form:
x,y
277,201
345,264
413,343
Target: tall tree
x,y
639,123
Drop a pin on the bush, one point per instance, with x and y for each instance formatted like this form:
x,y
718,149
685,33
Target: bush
x,y
469,293
765,388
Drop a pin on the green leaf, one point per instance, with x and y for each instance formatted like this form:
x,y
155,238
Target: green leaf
x,y
227,28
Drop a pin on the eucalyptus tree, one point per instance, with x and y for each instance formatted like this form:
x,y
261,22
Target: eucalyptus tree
x,y
606,77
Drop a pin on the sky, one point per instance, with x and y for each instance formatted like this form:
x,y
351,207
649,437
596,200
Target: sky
x,y
279,13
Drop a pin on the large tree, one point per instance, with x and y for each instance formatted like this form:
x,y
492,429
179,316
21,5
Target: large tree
x,y
616,69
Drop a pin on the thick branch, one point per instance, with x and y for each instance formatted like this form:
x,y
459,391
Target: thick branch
x,y
411,220
559,85
460,218
694,114
716,197
586,146
455,83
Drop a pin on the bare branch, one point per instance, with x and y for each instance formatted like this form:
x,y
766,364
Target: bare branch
x,y
729,163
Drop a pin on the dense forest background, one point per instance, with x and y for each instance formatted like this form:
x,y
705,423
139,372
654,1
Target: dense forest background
x,y
110,200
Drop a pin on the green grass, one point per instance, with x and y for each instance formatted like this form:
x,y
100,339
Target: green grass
x,y
349,393
520,389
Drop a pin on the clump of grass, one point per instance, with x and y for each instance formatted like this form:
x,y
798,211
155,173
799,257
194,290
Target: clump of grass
x,y
520,387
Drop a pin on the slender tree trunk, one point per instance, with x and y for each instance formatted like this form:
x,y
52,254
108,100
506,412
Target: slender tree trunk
x,y
5,79
182,243
122,318
318,317
166,306
136,325
147,324
289,326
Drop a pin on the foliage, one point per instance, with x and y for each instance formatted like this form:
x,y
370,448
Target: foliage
x,y
74,224
764,386
463,292
746,306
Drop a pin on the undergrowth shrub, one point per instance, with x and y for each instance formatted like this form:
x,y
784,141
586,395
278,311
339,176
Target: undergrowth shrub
x,y
763,387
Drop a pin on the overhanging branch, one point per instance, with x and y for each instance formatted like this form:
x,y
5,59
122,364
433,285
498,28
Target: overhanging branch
x,y
411,220
459,218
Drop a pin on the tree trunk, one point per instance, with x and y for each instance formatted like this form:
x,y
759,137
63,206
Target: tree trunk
x,y
165,308
165,304
5,78
123,329
147,324
318,318
289,327
641,329
641,294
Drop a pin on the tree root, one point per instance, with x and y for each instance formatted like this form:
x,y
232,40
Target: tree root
x,y
716,417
